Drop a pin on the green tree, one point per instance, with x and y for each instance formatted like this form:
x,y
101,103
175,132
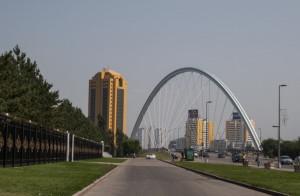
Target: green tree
x,y
101,124
270,147
121,139
68,117
291,148
25,93
23,90
131,146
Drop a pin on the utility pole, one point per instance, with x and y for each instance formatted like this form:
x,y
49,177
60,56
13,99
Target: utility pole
x,y
278,125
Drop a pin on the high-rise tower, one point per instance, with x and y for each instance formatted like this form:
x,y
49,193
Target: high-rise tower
x,y
108,99
196,135
237,133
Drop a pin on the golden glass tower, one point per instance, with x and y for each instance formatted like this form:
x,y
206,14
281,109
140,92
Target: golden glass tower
x,y
108,99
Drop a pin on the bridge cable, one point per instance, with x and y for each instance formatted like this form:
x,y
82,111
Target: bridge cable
x,y
222,115
200,92
184,107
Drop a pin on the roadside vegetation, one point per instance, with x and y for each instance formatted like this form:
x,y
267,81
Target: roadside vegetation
x,y
26,94
290,148
285,182
50,179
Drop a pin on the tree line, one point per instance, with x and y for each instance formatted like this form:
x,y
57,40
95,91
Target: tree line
x,y
290,148
25,93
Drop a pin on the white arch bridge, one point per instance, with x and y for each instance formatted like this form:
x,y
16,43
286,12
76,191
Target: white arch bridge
x,y
164,114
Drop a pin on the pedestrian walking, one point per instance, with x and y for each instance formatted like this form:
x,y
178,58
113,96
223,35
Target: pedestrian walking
x,y
257,160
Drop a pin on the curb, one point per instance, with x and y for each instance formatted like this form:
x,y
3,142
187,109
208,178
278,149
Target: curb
x,y
88,187
103,163
263,190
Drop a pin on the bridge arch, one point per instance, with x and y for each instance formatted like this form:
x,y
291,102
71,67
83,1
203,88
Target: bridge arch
x,y
217,82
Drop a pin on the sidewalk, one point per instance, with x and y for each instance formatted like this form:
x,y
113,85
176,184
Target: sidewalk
x,y
96,182
107,163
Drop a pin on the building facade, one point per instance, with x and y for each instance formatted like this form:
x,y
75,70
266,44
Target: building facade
x,y
237,134
141,137
108,99
157,138
177,144
219,145
196,134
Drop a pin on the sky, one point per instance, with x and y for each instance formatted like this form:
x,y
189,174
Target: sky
x,y
252,46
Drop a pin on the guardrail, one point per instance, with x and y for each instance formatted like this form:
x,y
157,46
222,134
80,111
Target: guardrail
x,y
26,143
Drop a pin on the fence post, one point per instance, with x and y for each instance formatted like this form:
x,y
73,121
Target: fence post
x,y
68,146
72,150
5,144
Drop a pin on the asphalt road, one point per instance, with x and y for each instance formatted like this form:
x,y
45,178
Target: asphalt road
x,y
154,178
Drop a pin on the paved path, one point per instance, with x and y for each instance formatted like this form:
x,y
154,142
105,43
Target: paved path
x,y
154,178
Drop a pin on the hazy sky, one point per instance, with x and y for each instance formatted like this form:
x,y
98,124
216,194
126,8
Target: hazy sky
x,y
251,45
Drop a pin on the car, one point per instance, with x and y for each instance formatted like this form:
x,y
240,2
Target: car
x,y
150,156
221,155
236,157
286,160
205,154
196,154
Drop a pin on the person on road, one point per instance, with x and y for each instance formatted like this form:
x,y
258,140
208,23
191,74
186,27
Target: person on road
x,y
257,160
244,159
172,155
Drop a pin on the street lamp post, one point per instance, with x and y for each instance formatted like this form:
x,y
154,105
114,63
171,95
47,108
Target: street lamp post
x,y
278,125
206,138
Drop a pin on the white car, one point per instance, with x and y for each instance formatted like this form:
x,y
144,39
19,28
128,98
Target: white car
x,y
196,154
150,156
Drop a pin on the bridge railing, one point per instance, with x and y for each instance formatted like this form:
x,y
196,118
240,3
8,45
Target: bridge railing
x,y
25,143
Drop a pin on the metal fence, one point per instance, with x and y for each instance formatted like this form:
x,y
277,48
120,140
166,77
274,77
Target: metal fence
x,y
24,143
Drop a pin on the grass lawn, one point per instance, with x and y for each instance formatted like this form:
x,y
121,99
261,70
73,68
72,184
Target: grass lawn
x,y
286,182
107,160
50,179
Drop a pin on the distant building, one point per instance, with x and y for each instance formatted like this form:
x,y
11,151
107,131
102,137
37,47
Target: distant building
x,y
157,138
218,145
237,133
177,144
108,99
196,133
141,137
